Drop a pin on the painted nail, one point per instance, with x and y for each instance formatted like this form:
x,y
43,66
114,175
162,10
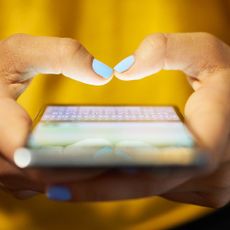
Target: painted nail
x,y
125,64
101,69
61,193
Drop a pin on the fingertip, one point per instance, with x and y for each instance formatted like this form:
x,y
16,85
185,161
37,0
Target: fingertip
x,y
125,64
93,72
122,69
132,68
102,69
130,74
120,76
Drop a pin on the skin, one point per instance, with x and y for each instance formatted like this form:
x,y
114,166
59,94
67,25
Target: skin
x,y
202,57
22,57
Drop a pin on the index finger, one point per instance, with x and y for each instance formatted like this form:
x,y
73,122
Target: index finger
x,y
119,185
191,53
23,56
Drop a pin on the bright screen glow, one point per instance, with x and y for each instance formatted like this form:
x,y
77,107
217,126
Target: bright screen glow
x,y
119,134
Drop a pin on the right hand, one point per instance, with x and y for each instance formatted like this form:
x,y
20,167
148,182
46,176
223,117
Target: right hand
x,y
22,57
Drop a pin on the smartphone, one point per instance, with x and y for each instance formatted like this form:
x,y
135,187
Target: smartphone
x,y
110,136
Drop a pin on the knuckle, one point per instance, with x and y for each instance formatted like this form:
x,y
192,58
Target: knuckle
x,y
207,36
70,50
10,49
16,37
155,39
14,41
217,51
211,44
70,47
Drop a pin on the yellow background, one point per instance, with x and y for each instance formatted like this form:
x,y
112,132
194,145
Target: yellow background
x,y
111,30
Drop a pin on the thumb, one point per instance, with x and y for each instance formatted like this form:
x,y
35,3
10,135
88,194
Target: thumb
x,y
14,125
205,60
207,112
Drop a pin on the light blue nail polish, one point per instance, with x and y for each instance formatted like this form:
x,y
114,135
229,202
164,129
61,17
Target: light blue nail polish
x,y
125,64
101,69
59,193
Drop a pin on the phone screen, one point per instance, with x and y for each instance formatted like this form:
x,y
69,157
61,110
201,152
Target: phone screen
x,y
92,136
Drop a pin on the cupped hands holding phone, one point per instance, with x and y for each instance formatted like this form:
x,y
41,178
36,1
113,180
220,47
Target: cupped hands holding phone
x,y
202,57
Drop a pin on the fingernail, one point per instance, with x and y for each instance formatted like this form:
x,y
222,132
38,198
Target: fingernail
x,y
61,193
125,64
101,69
26,194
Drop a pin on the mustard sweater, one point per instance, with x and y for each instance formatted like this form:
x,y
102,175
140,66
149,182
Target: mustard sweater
x,y
111,30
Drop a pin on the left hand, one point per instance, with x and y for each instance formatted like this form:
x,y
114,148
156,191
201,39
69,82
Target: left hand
x,y
206,62
21,58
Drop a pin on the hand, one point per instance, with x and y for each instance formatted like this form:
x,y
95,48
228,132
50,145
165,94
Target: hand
x,y
22,57
206,62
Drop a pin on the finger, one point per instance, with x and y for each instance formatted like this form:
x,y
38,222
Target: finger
x,y
53,176
206,60
23,56
207,114
212,200
217,182
186,197
14,125
186,52
13,179
19,194
117,186
25,194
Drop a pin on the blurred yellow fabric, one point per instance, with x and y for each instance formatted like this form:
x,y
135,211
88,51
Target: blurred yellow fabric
x,y
111,30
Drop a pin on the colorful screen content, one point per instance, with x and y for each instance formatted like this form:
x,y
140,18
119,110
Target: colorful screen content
x,y
108,134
